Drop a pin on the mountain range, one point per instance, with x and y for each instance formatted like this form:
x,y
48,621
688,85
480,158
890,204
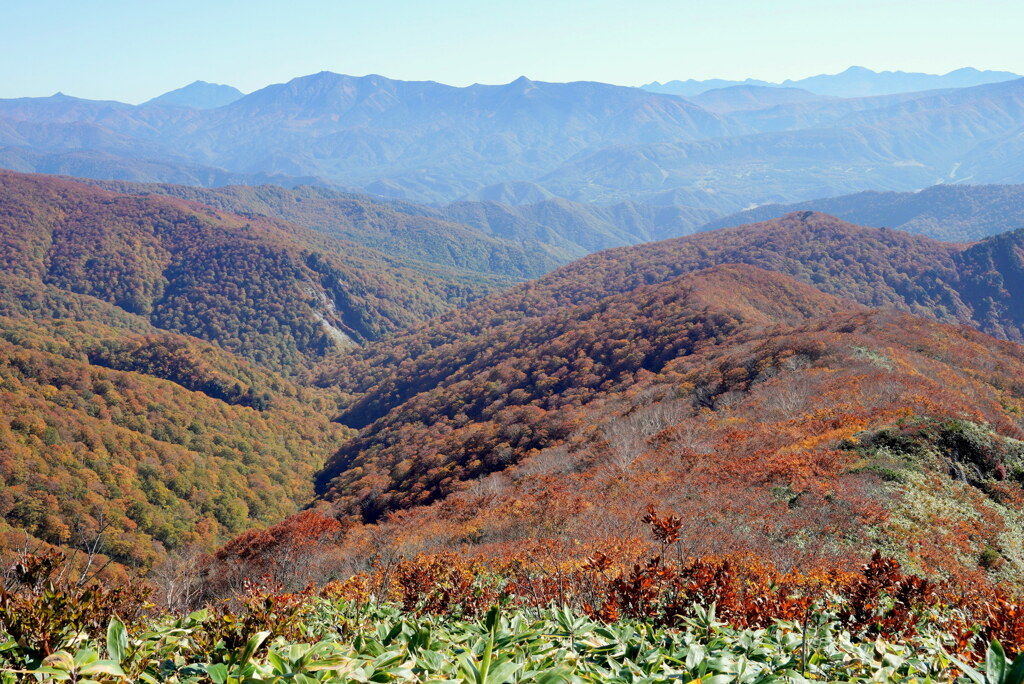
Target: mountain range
x,y
527,141
854,82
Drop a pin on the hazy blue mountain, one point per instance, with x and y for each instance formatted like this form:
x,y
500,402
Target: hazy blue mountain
x,y
415,140
526,141
905,145
692,87
953,213
741,98
854,82
198,95
510,192
860,82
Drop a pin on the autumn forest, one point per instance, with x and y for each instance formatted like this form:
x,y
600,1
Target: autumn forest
x,y
275,428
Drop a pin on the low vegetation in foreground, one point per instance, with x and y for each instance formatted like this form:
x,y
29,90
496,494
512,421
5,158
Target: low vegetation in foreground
x,y
606,617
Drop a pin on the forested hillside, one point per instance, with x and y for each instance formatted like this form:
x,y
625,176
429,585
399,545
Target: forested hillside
x,y
489,398
522,241
970,284
276,293
125,434
878,268
399,229
744,361
789,415
146,443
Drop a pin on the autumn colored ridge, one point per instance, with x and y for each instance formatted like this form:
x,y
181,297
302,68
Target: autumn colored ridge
x,y
972,284
765,411
527,377
274,292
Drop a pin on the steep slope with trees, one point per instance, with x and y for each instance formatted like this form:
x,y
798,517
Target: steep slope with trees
x,y
276,293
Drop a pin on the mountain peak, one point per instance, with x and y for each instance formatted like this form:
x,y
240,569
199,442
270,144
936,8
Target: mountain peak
x,y
198,95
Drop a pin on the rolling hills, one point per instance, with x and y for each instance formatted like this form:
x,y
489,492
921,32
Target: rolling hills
x,y
122,430
520,240
484,401
566,404
413,232
806,371
874,267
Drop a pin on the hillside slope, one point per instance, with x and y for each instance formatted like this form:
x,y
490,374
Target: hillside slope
x,y
790,415
974,284
971,284
482,402
146,443
399,229
276,293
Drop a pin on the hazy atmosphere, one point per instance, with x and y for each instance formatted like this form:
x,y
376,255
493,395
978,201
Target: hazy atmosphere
x,y
133,51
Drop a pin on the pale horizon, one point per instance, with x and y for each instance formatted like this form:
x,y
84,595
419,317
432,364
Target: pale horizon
x,y
131,52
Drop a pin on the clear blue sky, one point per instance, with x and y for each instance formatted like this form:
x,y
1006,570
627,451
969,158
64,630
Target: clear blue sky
x,y
134,50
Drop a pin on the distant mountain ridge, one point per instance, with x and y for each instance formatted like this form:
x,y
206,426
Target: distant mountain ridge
x,y
198,95
752,98
823,149
854,82
954,213
527,140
